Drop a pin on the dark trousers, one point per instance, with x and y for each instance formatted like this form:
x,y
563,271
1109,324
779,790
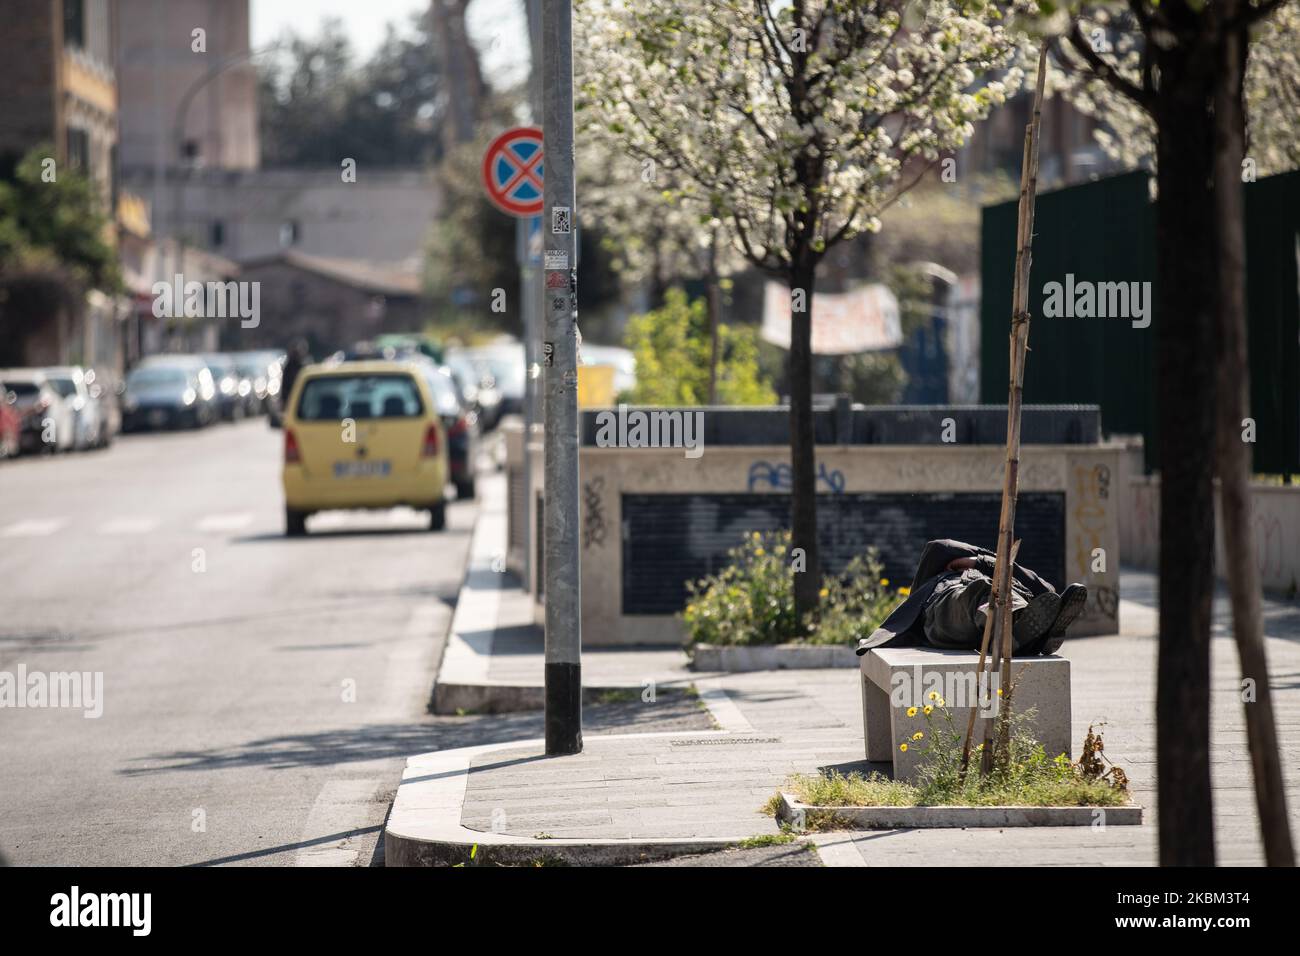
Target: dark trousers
x,y
955,614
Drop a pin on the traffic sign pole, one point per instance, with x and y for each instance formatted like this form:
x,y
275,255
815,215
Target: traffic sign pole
x,y
512,173
527,306
560,387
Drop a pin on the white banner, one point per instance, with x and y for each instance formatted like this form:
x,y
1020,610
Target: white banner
x,y
864,319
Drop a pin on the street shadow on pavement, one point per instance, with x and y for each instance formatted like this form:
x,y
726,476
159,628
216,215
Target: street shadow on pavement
x,y
672,712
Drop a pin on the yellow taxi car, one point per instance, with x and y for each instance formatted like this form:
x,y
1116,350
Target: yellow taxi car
x,y
362,435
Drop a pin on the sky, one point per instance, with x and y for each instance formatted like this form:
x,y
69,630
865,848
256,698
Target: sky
x,y
498,28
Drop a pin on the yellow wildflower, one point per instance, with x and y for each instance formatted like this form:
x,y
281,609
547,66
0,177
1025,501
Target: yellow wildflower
x,y
903,747
934,695
911,711
918,735
759,551
905,591
824,592
928,710
941,702
884,582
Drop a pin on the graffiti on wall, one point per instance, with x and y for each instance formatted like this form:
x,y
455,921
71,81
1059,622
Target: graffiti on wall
x,y
593,513
780,477
1092,501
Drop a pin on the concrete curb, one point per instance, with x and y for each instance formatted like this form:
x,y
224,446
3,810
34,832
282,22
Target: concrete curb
x,y
913,818
424,828
463,684
771,657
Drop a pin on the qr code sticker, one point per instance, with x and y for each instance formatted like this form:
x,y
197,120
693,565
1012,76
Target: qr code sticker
x,y
560,221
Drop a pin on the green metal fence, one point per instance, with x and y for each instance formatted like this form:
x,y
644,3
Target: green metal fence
x,y
1104,231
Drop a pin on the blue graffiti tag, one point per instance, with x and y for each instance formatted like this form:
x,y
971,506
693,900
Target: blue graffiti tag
x,y
780,477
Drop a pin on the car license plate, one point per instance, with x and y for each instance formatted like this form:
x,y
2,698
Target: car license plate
x,y
361,469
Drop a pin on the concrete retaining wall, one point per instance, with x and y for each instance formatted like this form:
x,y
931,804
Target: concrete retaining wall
x,y
1083,473
1276,516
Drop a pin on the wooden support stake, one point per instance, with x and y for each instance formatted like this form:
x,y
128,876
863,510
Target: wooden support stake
x,y
1001,592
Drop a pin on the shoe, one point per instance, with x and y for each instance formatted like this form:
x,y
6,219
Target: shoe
x,y
1072,602
1032,621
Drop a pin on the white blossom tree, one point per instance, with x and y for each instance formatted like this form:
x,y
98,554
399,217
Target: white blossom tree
x,y
651,236
797,123
1127,131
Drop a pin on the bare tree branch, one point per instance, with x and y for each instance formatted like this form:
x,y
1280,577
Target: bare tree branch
x,y
1106,71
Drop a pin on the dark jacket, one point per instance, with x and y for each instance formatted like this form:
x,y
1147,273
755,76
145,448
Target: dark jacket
x,y
903,626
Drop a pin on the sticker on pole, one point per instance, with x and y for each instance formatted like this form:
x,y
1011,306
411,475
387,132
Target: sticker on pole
x,y
512,171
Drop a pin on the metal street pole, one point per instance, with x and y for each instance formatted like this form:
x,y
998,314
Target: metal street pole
x,y
530,291
528,303
560,387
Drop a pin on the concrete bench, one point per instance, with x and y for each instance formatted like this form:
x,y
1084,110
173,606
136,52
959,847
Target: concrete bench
x,y
896,678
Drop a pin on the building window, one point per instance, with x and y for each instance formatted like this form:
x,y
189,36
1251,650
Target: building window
x,y
289,233
79,149
74,23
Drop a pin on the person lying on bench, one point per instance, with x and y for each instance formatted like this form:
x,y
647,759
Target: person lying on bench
x,y
950,601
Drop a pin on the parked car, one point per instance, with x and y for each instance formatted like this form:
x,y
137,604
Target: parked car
x,y
362,435
105,392
262,372
11,424
462,428
233,390
169,393
48,421
500,372
89,429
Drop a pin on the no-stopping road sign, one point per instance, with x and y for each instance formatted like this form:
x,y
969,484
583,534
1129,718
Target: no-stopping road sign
x,y
512,171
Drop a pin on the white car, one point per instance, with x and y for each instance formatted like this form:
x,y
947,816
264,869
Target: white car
x,y
49,423
73,386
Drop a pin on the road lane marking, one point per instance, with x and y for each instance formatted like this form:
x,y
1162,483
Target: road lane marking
x,y
230,522
343,806
129,526
33,528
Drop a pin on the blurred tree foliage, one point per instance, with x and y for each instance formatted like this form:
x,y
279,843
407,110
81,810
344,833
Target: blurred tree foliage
x,y
318,105
57,228
671,345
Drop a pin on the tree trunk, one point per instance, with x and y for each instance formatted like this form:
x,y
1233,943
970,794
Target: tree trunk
x,y
803,454
1185,374
1234,454
713,299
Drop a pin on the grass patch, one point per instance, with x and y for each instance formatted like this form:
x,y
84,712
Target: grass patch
x,y
1024,776
768,839
876,790
618,695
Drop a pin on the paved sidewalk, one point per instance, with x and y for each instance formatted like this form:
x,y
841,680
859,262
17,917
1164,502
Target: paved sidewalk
x,y
638,797
494,659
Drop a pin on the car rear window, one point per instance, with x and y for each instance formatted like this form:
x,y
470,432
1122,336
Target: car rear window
x,y
66,387
335,397
22,388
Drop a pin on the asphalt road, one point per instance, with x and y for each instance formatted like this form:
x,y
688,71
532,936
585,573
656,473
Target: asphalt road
x,y
260,694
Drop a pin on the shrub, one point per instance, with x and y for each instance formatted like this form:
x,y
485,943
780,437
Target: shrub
x,y
751,600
